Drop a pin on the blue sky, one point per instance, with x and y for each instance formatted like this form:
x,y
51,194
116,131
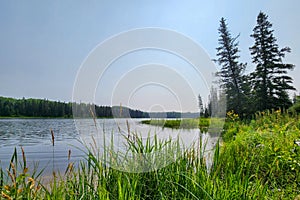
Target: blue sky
x,y
44,43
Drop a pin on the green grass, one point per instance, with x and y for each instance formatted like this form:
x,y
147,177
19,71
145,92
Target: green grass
x,y
255,160
179,123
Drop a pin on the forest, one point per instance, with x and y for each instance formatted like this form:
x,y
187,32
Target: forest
x,y
11,107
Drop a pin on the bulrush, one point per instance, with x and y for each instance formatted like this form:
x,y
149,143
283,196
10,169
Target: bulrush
x,y
52,135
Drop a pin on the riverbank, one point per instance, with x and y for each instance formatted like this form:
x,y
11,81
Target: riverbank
x,y
259,159
179,123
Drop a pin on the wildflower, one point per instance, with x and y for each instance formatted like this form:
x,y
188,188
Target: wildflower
x,y
31,181
7,187
19,190
232,116
25,170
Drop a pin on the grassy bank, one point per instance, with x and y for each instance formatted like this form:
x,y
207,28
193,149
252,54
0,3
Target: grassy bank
x,y
259,159
179,123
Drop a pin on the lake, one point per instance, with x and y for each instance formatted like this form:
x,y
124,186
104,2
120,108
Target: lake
x,y
70,136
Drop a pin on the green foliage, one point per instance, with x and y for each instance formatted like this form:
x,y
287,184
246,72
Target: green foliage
x,y
180,123
296,106
231,72
267,87
18,183
261,161
10,107
268,145
270,80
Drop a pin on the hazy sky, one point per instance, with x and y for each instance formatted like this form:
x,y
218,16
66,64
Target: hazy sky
x,y
44,43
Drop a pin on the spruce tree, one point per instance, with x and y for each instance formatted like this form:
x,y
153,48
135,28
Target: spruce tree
x,y
200,104
270,80
231,72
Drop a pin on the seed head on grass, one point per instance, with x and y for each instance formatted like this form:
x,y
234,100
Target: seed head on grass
x,y
31,182
5,196
128,129
52,136
25,169
93,116
13,175
70,168
69,155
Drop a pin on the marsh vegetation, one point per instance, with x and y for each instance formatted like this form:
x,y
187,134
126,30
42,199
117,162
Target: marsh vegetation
x,y
258,159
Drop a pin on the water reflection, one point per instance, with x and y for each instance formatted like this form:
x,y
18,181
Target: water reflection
x,y
34,135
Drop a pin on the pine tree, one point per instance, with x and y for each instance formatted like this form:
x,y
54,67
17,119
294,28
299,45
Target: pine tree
x,y
200,102
213,101
231,72
270,80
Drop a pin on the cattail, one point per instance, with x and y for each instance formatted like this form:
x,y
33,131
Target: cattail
x,y
119,128
13,175
94,116
38,187
69,168
24,158
69,154
14,170
52,134
128,129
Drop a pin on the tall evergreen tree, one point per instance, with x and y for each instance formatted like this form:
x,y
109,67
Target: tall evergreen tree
x,y
270,80
213,101
201,108
231,72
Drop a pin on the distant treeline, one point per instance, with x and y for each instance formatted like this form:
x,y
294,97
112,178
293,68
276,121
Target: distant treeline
x,y
10,107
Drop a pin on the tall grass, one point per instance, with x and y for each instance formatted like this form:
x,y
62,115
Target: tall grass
x,y
17,183
256,160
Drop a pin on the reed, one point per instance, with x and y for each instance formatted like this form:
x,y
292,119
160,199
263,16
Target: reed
x,y
53,151
17,183
258,160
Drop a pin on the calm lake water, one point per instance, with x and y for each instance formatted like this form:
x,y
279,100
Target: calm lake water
x,y
35,137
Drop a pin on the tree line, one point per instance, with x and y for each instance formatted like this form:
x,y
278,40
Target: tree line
x,y
11,107
267,87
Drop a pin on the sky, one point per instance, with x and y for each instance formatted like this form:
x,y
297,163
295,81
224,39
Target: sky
x,y
46,44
